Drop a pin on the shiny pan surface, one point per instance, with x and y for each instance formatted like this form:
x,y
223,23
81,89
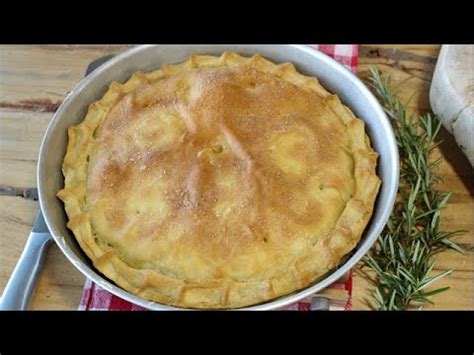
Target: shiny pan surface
x,y
332,75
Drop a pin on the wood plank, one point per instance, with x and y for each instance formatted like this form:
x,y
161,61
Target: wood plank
x,y
459,297
21,133
33,81
44,74
423,50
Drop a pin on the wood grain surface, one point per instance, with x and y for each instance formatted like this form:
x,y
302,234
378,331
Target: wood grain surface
x,y
35,79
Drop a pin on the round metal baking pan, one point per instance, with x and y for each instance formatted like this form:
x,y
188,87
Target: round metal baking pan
x,y
332,75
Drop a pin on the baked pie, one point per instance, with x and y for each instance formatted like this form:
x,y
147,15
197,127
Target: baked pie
x,y
221,182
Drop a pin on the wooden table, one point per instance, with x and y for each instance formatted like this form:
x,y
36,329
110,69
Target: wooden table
x,y
35,79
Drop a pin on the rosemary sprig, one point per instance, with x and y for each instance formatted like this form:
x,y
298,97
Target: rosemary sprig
x,y
403,257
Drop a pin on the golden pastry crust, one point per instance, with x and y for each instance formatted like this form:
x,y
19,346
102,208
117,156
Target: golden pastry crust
x,y
221,182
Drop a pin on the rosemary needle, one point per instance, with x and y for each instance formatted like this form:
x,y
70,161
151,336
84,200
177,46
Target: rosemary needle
x,y
403,257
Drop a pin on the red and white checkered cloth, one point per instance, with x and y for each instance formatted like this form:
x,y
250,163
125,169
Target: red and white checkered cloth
x,y
339,293
346,54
